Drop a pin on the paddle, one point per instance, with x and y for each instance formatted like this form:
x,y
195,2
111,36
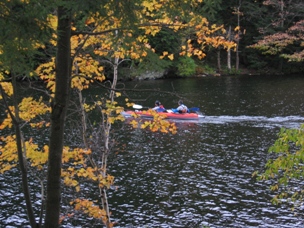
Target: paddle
x,y
194,109
136,106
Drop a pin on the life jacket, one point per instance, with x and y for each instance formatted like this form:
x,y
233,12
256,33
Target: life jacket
x,y
161,108
184,110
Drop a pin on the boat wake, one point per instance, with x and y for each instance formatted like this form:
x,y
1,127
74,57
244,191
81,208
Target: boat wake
x,y
262,121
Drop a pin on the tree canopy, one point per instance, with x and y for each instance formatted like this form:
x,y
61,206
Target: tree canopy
x,y
68,45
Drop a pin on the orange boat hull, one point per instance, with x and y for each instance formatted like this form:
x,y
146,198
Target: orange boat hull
x,y
167,115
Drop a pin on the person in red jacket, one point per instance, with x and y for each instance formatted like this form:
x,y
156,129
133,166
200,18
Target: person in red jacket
x,y
159,107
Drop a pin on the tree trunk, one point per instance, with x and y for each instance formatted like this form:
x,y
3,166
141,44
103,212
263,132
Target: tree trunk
x,y
59,107
238,39
229,51
21,158
20,151
107,129
282,26
219,61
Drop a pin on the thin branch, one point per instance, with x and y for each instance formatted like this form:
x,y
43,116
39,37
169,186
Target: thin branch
x,y
122,29
41,90
79,49
7,106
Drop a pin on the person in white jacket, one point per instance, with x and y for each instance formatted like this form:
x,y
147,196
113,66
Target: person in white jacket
x,y
181,108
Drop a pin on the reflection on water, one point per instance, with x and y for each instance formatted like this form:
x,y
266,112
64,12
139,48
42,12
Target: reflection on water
x,y
201,175
278,121
258,121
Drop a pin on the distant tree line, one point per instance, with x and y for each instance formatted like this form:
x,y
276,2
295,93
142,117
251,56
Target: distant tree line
x,y
268,34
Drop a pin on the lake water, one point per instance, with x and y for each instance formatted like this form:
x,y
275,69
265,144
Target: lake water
x,y
202,175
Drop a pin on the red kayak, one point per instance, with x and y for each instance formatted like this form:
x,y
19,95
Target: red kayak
x,y
167,115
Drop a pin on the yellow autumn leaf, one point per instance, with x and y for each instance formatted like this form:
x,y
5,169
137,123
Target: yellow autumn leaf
x,y
182,53
144,54
8,155
171,57
134,55
90,20
7,87
148,5
7,122
52,21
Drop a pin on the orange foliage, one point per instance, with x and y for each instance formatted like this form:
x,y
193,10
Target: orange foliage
x,y
8,155
29,111
157,124
277,44
91,209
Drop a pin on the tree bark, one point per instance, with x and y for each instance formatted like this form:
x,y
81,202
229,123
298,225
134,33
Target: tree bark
x,y
219,68
229,51
237,60
59,107
21,158
20,151
107,129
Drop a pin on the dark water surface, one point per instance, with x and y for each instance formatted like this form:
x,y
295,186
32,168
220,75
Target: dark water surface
x,y
202,175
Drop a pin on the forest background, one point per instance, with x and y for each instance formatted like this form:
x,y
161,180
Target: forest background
x,y
268,37
68,45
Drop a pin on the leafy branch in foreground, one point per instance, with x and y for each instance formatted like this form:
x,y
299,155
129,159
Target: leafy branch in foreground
x,y
287,167
79,62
